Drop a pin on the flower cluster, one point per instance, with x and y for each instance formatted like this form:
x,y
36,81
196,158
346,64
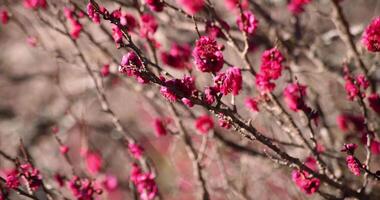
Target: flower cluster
x,y
297,6
35,4
229,81
177,57
26,171
83,189
155,5
307,184
73,18
208,55
353,163
371,36
204,124
193,6
136,150
247,22
92,14
354,85
294,96
186,86
144,182
131,65
270,69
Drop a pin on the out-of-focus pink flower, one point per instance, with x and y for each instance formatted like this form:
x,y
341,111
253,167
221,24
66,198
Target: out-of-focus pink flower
x,y
59,179
374,102
117,35
297,6
129,21
208,56
105,70
224,123
76,26
159,127
232,4
294,94
31,175
110,183
192,6
136,150
353,165
204,124
251,104
149,25
32,41
375,147
371,36
4,16
247,22
155,5
94,162
229,81
177,57
348,122
64,149
349,148
35,4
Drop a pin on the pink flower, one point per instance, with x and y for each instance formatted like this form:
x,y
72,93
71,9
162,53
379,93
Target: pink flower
x,y
32,41
311,163
210,95
224,123
155,5
371,36
232,4
32,176
297,6
349,148
208,56
92,14
83,189
348,122
204,124
185,86
64,149
251,104
76,26
374,102
306,184
131,65
270,69
293,95
144,183
159,127
353,165
192,6
110,183
105,70
136,150
59,179
362,81
177,57
375,147
94,162
12,179
35,4
117,35
4,16
247,22
229,81
149,25
351,89
128,21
